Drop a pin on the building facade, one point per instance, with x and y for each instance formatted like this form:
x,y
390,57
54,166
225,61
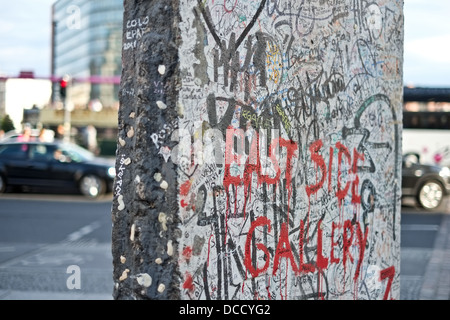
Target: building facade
x,y
86,45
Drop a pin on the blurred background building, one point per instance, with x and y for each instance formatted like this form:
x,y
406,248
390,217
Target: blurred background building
x,y
86,45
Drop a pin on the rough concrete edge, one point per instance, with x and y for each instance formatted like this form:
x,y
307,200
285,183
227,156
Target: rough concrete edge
x,y
130,215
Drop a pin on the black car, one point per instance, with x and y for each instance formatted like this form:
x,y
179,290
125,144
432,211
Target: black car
x,y
429,184
56,165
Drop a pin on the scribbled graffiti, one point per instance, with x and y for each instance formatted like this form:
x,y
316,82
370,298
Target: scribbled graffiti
x,y
288,148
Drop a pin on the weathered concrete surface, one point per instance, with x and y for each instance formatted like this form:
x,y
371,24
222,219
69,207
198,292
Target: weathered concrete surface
x,y
259,150
146,185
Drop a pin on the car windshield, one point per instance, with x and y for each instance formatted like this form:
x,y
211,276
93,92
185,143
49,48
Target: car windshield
x,y
76,153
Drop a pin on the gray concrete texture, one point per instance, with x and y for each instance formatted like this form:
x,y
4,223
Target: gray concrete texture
x,y
259,150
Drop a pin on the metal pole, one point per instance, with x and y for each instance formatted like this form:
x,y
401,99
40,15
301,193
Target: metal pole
x,y
67,114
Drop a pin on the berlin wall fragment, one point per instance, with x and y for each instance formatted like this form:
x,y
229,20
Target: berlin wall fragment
x,y
259,150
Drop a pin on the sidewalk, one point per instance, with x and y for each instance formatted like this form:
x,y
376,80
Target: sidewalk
x,y
43,273
436,281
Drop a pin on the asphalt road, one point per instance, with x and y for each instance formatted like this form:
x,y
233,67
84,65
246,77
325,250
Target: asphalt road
x,y
43,236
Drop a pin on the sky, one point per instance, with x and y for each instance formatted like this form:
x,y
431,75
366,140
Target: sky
x,y
25,29
25,36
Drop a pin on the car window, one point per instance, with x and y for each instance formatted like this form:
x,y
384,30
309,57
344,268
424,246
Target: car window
x,y
41,152
77,153
14,151
410,159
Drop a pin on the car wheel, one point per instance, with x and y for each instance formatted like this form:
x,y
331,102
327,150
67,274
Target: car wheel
x,y
430,195
92,186
2,184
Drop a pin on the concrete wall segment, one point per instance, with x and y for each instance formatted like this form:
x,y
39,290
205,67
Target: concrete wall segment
x,y
259,150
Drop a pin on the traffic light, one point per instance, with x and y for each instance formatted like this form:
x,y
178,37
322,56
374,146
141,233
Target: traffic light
x,y
62,88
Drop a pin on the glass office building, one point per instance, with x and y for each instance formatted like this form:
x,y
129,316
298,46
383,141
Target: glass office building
x,y
86,45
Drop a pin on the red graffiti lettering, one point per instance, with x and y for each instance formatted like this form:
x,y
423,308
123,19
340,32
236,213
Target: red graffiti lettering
x,y
322,262
341,193
253,163
362,247
351,173
387,273
333,259
347,241
232,157
291,147
320,162
255,271
283,249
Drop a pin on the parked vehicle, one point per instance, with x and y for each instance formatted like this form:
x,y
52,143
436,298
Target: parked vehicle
x,y
429,184
56,165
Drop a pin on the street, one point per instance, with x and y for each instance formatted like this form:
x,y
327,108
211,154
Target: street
x,y
42,238
422,234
